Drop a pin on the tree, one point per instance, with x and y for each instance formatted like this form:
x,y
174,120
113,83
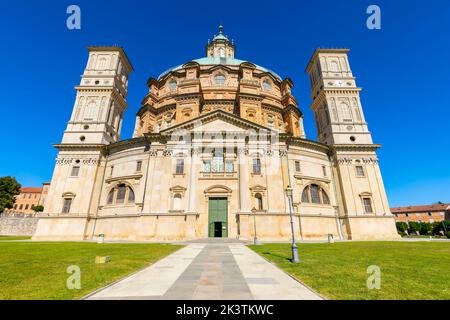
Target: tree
x,y
441,227
38,208
9,189
425,228
402,227
414,227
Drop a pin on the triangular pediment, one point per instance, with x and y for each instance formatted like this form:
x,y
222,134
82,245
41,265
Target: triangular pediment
x,y
217,121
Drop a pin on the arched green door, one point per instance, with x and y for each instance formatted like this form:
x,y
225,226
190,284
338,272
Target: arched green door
x,y
218,218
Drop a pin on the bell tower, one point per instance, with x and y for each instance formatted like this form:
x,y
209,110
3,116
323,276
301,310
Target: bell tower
x,y
96,121
101,98
341,125
336,103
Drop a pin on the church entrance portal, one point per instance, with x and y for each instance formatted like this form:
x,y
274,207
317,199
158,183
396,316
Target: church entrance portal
x,y
218,218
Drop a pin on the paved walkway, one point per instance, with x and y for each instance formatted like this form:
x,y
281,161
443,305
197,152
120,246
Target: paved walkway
x,y
213,271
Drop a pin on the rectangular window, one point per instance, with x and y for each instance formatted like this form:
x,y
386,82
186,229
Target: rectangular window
x,y
180,166
217,163
29,196
367,205
21,206
257,166
26,207
121,193
297,166
75,171
229,166
206,166
324,171
66,205
139,166
315,197
359,171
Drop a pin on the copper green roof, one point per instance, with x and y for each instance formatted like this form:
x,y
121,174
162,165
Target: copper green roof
x,y
205,61
212,61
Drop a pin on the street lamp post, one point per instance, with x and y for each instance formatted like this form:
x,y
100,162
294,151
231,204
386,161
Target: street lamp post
x,y
255,239
295,258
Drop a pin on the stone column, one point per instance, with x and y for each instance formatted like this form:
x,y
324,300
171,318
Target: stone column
x,y
244,210
243,182
193,179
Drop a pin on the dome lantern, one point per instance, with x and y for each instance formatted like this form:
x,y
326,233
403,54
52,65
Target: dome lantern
x,y
220,47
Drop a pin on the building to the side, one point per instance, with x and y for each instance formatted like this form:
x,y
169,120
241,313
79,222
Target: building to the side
x,y
28,198
218,147
426,213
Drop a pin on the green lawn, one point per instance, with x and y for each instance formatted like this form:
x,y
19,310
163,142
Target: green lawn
x,y
409,270
4,238
38,270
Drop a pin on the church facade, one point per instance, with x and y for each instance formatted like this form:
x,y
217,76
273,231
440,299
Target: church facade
x,y
218,150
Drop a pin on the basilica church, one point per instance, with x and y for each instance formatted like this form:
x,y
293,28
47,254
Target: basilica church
x,y
218,150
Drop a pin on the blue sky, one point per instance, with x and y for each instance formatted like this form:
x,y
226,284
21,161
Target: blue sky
x,y
404,69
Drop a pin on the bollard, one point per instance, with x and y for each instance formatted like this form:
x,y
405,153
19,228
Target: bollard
x,y
330,238
101,238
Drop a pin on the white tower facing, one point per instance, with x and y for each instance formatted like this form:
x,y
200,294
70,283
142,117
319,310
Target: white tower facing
x,y
101,98
96,121
341,124
336,103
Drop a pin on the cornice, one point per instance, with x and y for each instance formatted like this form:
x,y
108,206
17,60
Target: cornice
x,y
341,90
125,144
303,177
249,96
189,96
355,147
209,102
80,147
145,108
294,109
308,144
122,178
216,114
271,107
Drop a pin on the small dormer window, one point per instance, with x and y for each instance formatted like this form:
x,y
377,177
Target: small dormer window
x,y
267,85
172,85
219,79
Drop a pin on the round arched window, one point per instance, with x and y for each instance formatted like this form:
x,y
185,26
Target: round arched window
x,y
177,202
259,201
121,194
315,194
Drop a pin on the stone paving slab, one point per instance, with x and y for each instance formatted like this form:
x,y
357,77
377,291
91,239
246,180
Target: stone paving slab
x,y
266,281
154,280
213,275
209,271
